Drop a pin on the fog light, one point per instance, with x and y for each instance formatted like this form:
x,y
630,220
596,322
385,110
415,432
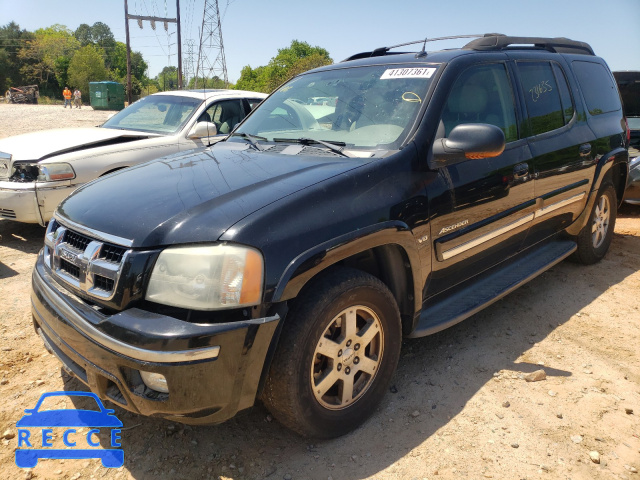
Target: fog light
x,y
155,381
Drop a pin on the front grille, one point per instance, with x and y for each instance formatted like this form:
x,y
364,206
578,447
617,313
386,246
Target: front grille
x,y
6,213
69,268
111,253
76,240
103,283
84,261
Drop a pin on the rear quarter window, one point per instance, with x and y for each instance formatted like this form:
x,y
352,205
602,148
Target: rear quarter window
x,y
599,90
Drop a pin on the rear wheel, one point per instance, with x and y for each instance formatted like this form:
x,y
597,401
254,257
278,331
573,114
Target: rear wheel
x,y
595,238
337,354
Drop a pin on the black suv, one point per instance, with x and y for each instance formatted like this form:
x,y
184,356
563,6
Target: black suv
x,y
288,262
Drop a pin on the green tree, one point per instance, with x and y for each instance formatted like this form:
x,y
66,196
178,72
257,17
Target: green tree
x,y
12,38
83,34
290,61
118,63
43,57
87,65
168,78
199,82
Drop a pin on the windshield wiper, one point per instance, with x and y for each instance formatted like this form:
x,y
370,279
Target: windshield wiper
x,y
337,147
251,139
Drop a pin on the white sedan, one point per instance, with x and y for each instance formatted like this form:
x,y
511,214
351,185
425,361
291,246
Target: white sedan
x,y
38,170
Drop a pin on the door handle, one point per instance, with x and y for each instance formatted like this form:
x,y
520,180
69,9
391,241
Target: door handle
x,y
520,170
585,149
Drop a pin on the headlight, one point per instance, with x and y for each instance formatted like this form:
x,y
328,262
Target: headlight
x,y
211,277
52,172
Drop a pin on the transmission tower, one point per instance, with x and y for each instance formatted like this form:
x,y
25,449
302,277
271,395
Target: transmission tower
x,y
211,61
189,67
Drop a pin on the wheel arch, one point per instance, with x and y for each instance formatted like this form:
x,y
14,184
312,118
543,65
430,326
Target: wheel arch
x,y
612,167
388,253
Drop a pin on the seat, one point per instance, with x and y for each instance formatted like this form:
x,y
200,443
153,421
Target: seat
x,y
230,117
204,117
465,105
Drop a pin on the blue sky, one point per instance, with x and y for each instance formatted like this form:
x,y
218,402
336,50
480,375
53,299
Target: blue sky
x,y
253,30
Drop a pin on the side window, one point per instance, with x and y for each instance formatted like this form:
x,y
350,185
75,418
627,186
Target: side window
x,y
565,94
482,94
225,114
542,96
597,86
254,102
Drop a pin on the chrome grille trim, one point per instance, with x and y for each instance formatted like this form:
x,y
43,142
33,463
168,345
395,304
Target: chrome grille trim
x,y
89,232
77,258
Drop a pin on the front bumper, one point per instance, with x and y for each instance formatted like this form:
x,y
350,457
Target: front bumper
x,y
32,202
212,370
18,202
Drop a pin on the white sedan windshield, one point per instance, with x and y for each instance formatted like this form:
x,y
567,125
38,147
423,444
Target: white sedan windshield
x,y
361,107
162,114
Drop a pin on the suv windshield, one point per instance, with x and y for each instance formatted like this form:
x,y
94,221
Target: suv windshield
x,y
363,107
162,114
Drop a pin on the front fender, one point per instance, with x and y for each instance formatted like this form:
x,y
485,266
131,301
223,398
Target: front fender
x,y
311,262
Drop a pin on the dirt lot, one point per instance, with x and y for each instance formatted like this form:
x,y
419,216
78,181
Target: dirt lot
x,y
459,407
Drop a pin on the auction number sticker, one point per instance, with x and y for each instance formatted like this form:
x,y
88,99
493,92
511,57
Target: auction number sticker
x,y
408,73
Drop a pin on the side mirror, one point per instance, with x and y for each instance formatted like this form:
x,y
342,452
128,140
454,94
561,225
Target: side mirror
x,y
202,130
468,141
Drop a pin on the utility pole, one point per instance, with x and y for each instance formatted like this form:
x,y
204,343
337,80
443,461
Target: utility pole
x,y
126,16
153,21
179,46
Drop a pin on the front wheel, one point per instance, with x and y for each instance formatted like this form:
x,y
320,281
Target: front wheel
x,y
595,238
337,354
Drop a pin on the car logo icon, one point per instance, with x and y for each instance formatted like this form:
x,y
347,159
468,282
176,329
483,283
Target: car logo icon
x,y
46,420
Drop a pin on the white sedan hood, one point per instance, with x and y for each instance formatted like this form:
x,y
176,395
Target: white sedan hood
x,y
43,144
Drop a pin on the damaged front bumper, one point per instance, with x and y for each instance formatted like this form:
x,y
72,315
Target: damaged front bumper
x,y
32,202
212,371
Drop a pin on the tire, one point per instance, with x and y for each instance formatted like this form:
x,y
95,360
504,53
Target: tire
x,y
595,238
324,380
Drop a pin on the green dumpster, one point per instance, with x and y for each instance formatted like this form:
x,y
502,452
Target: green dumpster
x,y
106,95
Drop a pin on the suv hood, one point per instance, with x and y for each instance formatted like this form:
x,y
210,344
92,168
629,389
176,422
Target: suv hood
x,y
46,143
194,197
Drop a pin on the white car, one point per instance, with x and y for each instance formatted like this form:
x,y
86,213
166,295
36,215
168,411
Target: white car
x,y
38,170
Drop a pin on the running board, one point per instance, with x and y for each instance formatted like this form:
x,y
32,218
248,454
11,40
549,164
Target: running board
x,y
491,287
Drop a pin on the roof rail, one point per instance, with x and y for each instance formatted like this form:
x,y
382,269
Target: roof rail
x,y
556,45
379,52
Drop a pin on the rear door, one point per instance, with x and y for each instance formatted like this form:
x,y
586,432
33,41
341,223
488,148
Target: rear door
x,y
561,144
486,206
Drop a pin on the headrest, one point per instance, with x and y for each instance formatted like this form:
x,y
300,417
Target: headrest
x,y
469,99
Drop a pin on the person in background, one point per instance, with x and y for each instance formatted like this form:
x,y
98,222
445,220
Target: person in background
x,y
66,93
77,98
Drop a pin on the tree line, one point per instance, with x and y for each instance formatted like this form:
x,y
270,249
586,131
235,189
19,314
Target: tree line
x,y
289,62
56,56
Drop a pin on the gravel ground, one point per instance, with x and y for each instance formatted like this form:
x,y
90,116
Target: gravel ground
x,y
460,406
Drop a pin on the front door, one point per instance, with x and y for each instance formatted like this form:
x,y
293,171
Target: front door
x,y
486,206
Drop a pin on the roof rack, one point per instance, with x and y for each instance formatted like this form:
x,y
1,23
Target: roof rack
x,y
490,41
555,45
379,52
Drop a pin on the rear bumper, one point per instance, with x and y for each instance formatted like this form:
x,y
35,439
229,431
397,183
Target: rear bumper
x,y
212,370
